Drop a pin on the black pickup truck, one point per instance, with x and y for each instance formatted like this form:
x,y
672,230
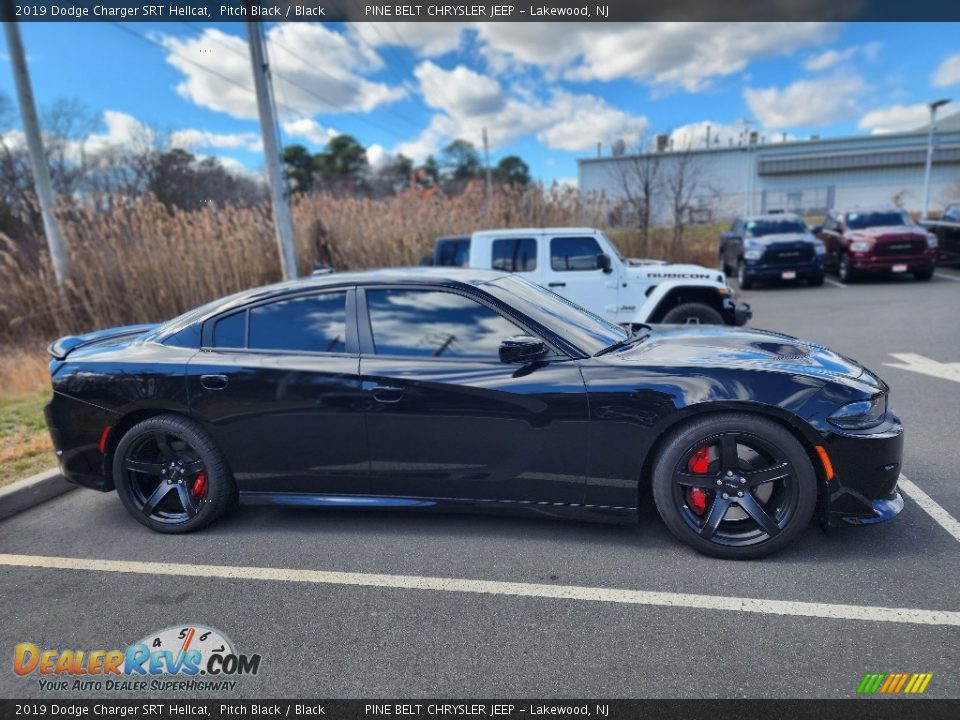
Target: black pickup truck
x,y
947,230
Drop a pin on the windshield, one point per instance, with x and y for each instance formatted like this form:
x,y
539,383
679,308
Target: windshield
x,y
887,218
581,327
759,228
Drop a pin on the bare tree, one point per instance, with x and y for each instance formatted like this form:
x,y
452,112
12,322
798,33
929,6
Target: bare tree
x,y
688,190
639,176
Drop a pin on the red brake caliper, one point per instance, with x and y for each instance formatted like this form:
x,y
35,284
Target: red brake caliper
x,y
200,485
697,497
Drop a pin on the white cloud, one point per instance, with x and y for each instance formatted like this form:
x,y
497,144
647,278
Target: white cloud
x,y
123,129
831,58
315,69
900,118
948,72
309,129
378,156
191,138
426,39
807,102
685,55
469,102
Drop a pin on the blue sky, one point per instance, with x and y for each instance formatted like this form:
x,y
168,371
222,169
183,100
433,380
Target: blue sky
x,y
546,92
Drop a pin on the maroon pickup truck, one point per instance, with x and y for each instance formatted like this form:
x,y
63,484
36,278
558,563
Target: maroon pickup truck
x,y
862,241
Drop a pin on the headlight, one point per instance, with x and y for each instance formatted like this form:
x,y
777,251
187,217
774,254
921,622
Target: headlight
x,y
753,254
932,240
862,414
819,248
861,246
753,249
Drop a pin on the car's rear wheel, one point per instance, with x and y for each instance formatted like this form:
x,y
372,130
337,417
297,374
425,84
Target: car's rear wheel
x,y
171,476
734,486
693,313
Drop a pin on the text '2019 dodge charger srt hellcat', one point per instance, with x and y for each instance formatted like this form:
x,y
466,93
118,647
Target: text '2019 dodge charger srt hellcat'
x,y
472,389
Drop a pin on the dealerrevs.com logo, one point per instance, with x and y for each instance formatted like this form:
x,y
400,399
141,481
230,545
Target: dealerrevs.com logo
x,y
188,658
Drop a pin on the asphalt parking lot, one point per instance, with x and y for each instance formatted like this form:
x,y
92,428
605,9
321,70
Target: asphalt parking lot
x,y
356,634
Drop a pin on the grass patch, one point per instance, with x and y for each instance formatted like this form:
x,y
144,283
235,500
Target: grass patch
x,y
25,447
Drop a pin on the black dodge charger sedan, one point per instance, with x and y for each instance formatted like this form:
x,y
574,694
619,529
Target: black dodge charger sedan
x,y
465,389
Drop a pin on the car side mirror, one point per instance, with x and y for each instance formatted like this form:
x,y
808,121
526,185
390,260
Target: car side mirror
x,y
603,262
816,229
522,349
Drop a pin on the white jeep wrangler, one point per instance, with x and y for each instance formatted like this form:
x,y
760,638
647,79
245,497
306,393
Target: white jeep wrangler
x,y
585,267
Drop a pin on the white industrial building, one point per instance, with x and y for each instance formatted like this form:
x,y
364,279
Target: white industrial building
x,y
803,176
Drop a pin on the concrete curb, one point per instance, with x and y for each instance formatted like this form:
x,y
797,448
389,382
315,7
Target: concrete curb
x,y
25,494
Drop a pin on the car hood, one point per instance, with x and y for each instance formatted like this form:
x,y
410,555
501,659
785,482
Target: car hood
x,y
711,346
660,270
881,232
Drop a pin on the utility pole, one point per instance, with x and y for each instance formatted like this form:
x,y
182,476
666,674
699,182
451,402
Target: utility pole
x,y
38,158
486,162
271,150
926,175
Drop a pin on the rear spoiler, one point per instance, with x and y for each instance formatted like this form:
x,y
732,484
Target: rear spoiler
x,y
59,349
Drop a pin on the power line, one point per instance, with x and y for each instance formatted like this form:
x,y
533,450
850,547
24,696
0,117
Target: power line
x,y
247,88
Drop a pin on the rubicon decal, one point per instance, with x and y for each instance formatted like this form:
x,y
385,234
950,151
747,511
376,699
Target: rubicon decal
x,y
182,651
898,683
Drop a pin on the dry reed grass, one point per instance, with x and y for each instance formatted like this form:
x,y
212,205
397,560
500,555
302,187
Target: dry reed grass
x,y
141,263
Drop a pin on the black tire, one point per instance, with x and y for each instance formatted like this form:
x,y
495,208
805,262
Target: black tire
x,y
923,275
694,313
773,477
816,280
177,452
743,280
844,272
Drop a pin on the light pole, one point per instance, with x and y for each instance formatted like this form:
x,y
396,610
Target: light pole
x,y
926,176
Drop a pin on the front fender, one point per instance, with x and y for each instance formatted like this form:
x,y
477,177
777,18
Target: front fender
x,y
666,294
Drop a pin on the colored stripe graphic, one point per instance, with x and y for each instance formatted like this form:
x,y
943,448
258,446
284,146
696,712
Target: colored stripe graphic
x,y
894,683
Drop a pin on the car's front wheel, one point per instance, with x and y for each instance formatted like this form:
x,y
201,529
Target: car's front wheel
x,y
845,270
693,313
734,486
743,279
171,476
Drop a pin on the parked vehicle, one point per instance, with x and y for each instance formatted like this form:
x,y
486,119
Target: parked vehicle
x,y
862,241
453,251
584,266
771,247
432,389
947,231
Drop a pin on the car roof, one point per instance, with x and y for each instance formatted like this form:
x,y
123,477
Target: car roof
x,y
539,231
771,216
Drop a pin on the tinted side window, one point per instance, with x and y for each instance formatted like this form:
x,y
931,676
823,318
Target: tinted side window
x,y
574,253
515,255
453,253
231,331
316,323
433,323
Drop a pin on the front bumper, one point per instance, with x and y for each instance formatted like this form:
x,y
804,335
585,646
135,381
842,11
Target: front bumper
x,y
757,270
872,264
866,468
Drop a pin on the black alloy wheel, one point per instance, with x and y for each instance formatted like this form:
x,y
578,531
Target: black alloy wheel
x,y
735,486
170,475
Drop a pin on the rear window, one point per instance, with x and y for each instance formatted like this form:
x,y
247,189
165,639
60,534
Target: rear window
x,y
316,323
515,255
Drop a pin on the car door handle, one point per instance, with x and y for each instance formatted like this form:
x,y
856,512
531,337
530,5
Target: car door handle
x,y
213,382
563,284
387,394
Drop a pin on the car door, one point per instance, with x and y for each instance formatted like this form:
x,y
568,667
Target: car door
x,y
277,384
574,271
447,419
